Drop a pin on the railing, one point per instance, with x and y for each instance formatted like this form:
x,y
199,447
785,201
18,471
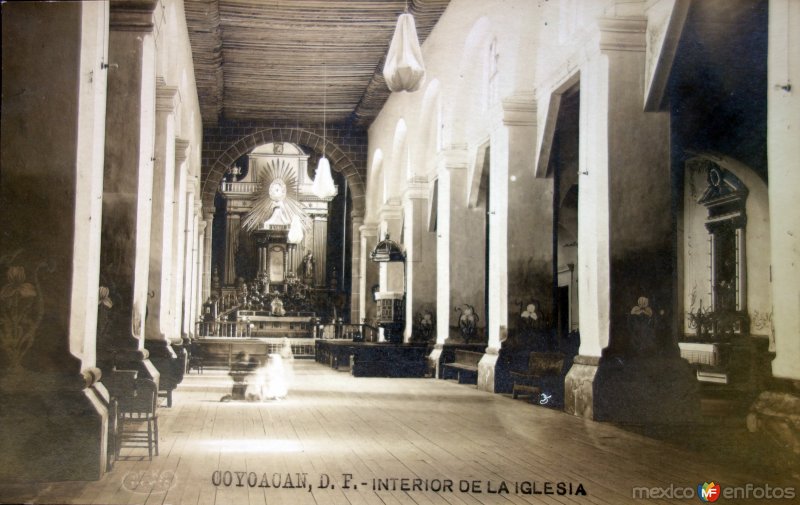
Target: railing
x,y
341,331
241,187
231,329
245,329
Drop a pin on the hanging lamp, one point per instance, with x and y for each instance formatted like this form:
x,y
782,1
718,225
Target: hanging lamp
x,y
323,186
404,69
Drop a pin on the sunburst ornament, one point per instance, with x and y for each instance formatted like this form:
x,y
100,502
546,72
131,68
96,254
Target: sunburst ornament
x,y
277,202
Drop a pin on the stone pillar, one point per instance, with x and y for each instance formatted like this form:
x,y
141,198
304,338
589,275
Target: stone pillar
x,y
200,274
158,327
369,271
391,274
451,190
320,250
629,368
187,261
52,418
179,235
208,219
530,228
197,242
232,227
128,186
520,244
776,412
420,247
783,111
356,285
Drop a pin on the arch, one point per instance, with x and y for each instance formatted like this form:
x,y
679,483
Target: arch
x,y
755,294
375,185
463,112
340,162
428,132
393,181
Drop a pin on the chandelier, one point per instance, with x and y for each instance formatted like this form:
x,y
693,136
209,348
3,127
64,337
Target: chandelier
x,y
404,69
323,186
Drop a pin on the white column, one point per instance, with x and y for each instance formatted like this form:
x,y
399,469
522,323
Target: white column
x,y
368,269
420,268
498,238
208,219
783,151
391,223
179,235
452,163
391,274
158,324
187,263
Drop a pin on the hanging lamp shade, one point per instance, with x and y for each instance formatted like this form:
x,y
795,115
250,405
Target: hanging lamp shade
x,y
404,69
323,185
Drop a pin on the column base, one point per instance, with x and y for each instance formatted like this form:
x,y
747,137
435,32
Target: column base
x,y
579,386
640,391
139,360
435,360
170,361
55,435
487,368
777,415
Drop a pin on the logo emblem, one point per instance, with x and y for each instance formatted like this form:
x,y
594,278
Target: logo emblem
x,y
708,492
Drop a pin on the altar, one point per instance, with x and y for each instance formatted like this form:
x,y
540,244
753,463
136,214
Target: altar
x,y
261,324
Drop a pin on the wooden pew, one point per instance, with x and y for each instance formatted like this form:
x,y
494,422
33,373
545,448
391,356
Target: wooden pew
x,y
465,361
542,366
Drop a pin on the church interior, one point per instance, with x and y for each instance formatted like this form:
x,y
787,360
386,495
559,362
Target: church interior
x,y
399,251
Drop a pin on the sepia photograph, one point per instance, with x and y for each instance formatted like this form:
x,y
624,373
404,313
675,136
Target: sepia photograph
x,y
389,252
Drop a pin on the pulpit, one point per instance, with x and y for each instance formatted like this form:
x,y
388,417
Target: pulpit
x,y
391,304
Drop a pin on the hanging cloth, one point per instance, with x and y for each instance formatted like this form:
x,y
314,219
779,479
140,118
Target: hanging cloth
x,y
404,69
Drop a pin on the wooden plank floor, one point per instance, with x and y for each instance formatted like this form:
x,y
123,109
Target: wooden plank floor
x,y
453,444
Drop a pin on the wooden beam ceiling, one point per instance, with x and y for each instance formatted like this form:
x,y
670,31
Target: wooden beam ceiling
x,y
266,59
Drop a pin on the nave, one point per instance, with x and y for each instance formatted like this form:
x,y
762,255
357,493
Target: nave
x,y
384,430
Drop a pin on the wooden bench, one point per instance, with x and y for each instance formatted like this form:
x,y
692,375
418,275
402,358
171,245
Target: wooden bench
x,y
541,366
465,361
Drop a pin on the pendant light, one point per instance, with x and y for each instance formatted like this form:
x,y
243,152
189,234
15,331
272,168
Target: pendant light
x,y
323,186
404,69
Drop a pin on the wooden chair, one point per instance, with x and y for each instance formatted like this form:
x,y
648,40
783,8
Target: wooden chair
x,y
137,406
541,367
195,360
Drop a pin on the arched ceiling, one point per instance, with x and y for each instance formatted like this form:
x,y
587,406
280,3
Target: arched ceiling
x,y
264,59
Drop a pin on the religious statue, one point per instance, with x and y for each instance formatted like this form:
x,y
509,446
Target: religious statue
x,y
308,266
277,307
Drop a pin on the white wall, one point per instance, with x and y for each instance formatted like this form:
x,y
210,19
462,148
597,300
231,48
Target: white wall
x,y
696,250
